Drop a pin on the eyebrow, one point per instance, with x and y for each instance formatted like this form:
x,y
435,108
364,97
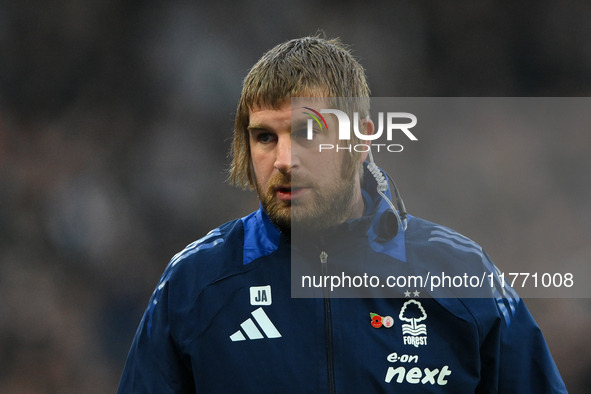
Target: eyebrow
x,y
264,127
257,126
299,123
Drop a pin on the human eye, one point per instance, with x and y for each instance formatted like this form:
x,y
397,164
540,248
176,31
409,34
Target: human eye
x,y
304,134
264,137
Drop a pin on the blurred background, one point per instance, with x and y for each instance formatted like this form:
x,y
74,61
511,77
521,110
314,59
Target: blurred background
x,y
116,119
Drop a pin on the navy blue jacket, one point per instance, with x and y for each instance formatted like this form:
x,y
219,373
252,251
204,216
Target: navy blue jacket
x,y
223,319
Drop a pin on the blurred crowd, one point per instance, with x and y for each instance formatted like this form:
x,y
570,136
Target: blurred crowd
x,y
115,124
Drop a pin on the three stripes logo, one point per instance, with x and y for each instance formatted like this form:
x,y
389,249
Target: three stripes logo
x,y
252,331
506,297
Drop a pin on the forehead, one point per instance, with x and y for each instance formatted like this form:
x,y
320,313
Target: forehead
x,y
269,117
294,110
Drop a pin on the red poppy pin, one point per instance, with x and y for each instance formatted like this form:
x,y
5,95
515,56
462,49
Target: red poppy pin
x,y
378,321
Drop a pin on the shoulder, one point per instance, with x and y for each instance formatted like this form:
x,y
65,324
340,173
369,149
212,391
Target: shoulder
x,y
208,257
432,243
224,251
192,269
460,268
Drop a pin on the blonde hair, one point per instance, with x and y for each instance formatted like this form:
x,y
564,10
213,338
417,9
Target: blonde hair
x,y
308,66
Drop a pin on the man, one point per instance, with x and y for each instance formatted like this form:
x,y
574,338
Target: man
x,y
223,319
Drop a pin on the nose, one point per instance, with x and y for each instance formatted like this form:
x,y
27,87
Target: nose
x,y
283,159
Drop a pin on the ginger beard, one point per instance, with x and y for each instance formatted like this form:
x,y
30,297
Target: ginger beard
x,y
331,203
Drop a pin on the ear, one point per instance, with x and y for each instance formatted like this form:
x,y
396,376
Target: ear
x,y
368,128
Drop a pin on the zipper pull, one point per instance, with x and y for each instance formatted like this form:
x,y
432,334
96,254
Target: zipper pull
x,y
323,264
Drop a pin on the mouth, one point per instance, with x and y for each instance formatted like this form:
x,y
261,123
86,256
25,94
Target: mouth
x,y
289,192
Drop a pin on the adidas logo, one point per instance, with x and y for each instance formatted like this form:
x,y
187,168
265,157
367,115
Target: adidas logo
x,y
251,330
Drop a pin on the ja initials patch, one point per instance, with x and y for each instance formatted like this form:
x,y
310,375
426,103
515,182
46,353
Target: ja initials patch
x,y
260,295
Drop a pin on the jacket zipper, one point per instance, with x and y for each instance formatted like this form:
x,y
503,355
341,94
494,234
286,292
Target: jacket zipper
x,y
328,326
